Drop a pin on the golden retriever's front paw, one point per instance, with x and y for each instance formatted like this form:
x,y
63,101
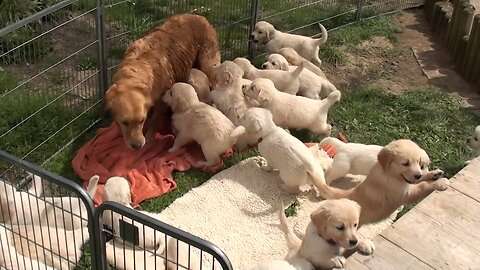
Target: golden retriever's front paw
x,y
436,174
441,184
366,247
339,262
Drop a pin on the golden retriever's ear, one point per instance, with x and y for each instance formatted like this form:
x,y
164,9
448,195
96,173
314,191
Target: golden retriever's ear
x,y
109,95
228,77
263,95
319,218
385,158
284,66
256,126
270,32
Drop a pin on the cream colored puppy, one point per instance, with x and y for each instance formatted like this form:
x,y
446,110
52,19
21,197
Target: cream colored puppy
x,y
350,158
201,84
311,85
474,142
331,231
292,111
273,40
117,189
399,177
295,59
55,247
284,81
11,259
228,98
196,121
126,257
296,163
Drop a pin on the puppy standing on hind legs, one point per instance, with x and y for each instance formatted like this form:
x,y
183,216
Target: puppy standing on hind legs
x,y
474,142
197,121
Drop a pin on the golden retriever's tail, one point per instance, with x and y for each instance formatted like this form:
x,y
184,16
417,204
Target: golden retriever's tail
x,y
293,241
327,192
332,141
298,70
324,37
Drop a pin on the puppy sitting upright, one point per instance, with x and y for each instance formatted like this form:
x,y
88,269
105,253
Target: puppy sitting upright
x,y
273,40
282,151
331,231
291,111
196,121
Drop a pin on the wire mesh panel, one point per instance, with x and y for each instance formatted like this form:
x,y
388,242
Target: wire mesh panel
x,y
48,79
137,240
44,218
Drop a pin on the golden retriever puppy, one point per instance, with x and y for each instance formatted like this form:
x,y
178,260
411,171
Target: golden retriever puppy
x,y
399,177
291,111
350,158
284,81
228,98
55,247
311,85
332,231
201,84
295,59
151,65
273,40
11,259
199,122
126,257
292,158
474,142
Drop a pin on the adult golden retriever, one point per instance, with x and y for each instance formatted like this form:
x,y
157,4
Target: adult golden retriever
x,y
151,65
399,177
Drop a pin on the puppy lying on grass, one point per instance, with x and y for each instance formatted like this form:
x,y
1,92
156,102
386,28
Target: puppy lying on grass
x,y
311,85
273,40
284,81
295,162
228,98
196,121
291,111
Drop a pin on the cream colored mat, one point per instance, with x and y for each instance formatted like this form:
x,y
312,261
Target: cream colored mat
x,y
237,210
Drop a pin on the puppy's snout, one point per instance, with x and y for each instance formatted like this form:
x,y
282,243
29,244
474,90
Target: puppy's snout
x,y
136,145
353,242
252,36
417,176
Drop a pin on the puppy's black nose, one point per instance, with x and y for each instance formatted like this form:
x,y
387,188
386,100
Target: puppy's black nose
x,y
353,242
417,176
136,145
252,36
264,66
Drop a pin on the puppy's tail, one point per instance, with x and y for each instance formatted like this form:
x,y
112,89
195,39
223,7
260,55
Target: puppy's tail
x,y
324,37
298,70
237,132
293,241
92,185
333,142
327,192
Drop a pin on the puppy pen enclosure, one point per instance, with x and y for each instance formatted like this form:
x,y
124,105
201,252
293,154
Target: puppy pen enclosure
x,y
56,61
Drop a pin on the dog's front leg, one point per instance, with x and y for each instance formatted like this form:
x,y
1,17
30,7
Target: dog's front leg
x,y
337,262
431,175
180,141
423,189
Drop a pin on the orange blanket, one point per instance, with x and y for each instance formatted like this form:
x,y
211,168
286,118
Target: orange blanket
x,y
149,170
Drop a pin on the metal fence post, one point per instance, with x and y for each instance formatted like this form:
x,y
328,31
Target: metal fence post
x,y
253,21
359,9
102,61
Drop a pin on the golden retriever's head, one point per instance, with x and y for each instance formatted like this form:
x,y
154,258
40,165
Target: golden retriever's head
x,y
259,91
129,106
276,61
292,57
474,141
336,221
258,121
117,189
404,160
263,32
181,97
228,72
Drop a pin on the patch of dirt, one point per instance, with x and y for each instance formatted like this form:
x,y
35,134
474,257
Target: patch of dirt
x,y
394,65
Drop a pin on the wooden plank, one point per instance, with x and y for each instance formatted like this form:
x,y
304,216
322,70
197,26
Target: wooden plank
x,y
467,180
456,213
387,256
426,239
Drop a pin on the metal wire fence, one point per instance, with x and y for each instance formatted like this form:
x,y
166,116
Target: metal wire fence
x,y
56,60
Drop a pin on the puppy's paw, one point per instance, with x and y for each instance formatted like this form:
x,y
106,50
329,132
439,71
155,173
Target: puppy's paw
x,y
441,184
366,247
339,262
436,174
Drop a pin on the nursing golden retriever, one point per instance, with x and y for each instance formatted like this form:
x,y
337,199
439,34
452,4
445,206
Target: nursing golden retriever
x,y
399,177
151,65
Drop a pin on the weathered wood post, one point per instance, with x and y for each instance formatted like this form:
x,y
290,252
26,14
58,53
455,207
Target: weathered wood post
x,y
473,66
441,23
444,36
435,16
473,48
453,27
463,29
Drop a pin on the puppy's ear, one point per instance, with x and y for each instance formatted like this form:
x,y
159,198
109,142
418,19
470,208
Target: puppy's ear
x,y
385,158
320,218
270,32
263,95
284,65
257,126
228,76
